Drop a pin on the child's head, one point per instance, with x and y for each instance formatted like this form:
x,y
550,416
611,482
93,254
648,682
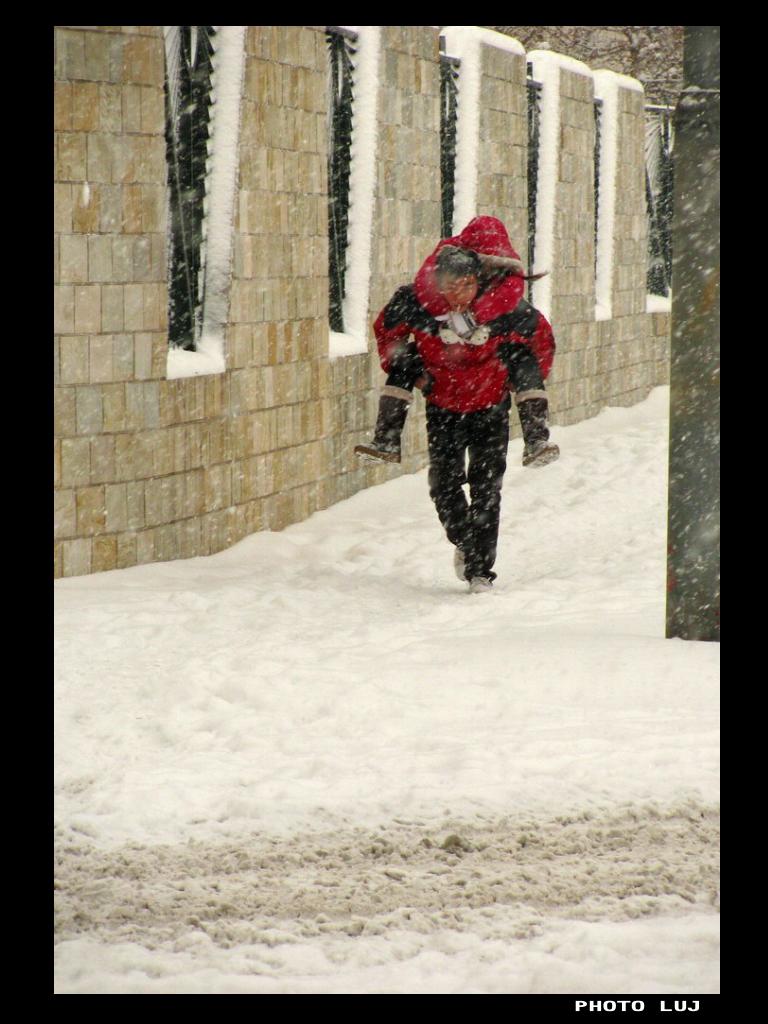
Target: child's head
x,y
457,272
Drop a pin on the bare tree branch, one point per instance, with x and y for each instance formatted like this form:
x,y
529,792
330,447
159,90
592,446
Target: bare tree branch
x,y
651,53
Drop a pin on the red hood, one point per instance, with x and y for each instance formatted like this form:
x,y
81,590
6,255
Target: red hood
x,y
484,235
487,235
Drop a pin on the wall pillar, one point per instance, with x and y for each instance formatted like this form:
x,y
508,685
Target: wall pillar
x,y
406,227
110,294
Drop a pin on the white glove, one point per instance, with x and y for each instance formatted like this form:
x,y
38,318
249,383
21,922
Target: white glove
x,y
477,337
450,337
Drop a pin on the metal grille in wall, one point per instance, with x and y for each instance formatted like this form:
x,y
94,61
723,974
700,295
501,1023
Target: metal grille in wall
x,y
449,86
598,119
659,192
341,49
534,122
188,82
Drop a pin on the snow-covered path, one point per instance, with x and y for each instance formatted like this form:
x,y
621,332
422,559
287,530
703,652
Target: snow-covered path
x,y
314,763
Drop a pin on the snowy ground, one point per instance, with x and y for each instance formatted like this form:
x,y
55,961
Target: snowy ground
x,y
313,763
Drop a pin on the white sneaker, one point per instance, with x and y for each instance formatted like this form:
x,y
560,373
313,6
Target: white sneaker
x,y
458,564
480,585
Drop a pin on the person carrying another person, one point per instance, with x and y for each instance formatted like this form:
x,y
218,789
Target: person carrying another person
x,y
497,306
475,339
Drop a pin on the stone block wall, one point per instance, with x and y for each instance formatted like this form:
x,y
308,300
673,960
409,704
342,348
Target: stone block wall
x,y
574,382
599,362
406,229
630,353
631,349
279,410
502,172
110,295
148,468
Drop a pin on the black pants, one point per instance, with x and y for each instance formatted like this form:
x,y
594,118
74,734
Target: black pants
x,y
483,436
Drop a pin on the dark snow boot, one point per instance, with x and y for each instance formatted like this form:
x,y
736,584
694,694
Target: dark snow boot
x,y
533,409
393,410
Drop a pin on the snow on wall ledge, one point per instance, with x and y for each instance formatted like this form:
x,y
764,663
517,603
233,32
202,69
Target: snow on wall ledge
x,y
464,42
182,363
546,69
607,85
229,64
362,182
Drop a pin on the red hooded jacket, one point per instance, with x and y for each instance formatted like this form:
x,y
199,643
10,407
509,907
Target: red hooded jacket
x,y
466,377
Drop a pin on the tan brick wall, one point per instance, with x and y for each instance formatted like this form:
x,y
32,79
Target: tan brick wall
x,y
149,469
406,229
616,361
572,382
110,297
279,412
502,173
630,350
